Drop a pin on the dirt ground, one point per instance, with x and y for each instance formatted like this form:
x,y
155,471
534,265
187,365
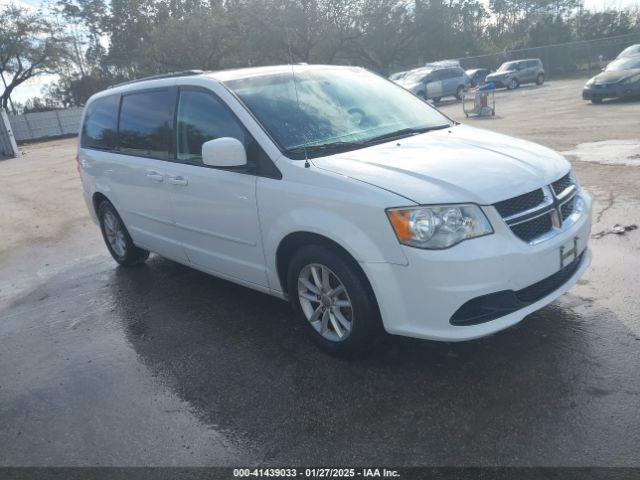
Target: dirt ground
x,y
164,365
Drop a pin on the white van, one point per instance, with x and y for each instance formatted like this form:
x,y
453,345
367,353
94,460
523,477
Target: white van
x,y
340,191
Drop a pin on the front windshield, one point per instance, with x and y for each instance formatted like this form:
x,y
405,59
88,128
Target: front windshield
x,y
628,63
507,67
336,106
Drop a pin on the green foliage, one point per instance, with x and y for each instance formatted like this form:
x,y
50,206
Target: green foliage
x,y
112,40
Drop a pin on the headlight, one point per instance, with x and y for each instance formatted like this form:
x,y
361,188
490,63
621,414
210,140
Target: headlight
x,y
437,227
632,79
591,80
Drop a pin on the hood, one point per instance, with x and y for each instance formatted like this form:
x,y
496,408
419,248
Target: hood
x,y
614,76
409,85
460,164
498,74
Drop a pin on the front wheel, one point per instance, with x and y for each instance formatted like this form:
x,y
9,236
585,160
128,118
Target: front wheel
x,y
333,299
512,84
596,101
436,99
117,238
540,79
460,93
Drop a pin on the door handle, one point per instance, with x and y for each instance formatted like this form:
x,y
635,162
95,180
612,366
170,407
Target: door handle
x,y
180,181
155,176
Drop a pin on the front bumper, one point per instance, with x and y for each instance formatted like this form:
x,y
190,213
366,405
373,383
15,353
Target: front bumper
x,y
498,82
601,92
420,299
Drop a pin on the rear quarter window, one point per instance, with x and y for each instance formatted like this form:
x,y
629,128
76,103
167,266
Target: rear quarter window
x,y
99,129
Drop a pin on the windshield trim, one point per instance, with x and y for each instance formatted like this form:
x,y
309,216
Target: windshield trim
x,y
286,151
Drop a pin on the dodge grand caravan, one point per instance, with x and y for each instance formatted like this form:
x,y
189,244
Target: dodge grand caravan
x,y
340,191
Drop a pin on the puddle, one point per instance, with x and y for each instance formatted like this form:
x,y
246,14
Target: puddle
x,y
609,152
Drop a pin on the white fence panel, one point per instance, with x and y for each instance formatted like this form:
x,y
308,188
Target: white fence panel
x,y
33,126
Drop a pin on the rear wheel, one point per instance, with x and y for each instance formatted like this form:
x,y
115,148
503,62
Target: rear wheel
x,y
540,79
334,301
117,238
460,93
436,99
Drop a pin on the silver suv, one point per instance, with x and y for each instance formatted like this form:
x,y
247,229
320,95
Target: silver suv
x,y
515,73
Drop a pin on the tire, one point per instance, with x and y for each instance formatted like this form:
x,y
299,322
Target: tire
x,y
540,79
117,238
596,101
360,323
422,95
513,84
460,93
436,99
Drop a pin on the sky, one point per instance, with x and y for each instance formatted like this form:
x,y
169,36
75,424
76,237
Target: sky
x,y
32,87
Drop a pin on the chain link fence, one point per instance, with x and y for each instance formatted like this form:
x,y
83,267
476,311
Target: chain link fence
x,y
559,59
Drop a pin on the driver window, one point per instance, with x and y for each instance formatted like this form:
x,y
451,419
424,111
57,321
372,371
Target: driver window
x,y
202,117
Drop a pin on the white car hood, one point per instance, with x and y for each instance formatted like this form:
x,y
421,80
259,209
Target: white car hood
x,y
460,164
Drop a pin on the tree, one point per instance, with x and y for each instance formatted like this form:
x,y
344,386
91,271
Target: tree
x,y
30,45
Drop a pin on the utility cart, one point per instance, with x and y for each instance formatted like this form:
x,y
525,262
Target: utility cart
x,y
480,101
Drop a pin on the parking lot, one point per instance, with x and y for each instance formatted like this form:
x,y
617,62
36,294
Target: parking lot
x,y
163,365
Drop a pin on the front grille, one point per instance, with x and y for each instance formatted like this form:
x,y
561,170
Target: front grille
x,y
536,213
520,204
494,305
567,209
532,229
561,185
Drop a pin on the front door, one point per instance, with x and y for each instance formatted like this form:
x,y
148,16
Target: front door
x,y
215,209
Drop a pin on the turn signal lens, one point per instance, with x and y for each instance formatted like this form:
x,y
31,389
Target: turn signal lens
x,y
439,226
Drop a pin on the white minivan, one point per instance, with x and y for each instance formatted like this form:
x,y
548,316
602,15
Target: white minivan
x,y
340,191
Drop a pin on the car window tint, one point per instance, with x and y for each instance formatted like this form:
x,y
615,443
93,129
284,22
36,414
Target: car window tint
x,y
145,124
101,123
202,117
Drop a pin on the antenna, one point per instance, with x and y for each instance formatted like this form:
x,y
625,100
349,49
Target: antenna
x,y
295,87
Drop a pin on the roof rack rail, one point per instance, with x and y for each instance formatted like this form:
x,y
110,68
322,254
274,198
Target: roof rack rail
x,y
183,73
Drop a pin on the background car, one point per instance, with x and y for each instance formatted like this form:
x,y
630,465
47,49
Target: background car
x,y
515,73
434,82
620,79
630,51
477,76
397,76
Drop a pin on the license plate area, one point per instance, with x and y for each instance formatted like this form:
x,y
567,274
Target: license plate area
x,y
569,252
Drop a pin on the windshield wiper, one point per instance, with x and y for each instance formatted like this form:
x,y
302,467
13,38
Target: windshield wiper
x,y
324,147
404,132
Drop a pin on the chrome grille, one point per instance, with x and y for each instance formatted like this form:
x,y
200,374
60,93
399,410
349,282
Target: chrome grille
x,y
561,185
540,214
534,228
521,203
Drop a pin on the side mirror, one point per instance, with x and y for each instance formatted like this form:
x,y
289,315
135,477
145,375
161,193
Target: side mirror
x,y
224,152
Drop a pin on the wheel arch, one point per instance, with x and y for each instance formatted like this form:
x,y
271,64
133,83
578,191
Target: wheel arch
x,y
97,199
292,242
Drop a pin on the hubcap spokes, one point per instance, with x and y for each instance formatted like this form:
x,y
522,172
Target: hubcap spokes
x,y
115,234
325,302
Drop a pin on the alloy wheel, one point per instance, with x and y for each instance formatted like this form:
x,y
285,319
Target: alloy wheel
x,y
325,302
115,234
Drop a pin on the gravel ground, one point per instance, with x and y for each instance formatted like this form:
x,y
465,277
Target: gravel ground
x,y
164,365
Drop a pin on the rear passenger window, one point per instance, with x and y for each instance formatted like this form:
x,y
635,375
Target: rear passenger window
x,y
201,117
145,124
100,124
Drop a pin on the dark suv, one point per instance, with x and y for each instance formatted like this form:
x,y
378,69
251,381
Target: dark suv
x,y
515,73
